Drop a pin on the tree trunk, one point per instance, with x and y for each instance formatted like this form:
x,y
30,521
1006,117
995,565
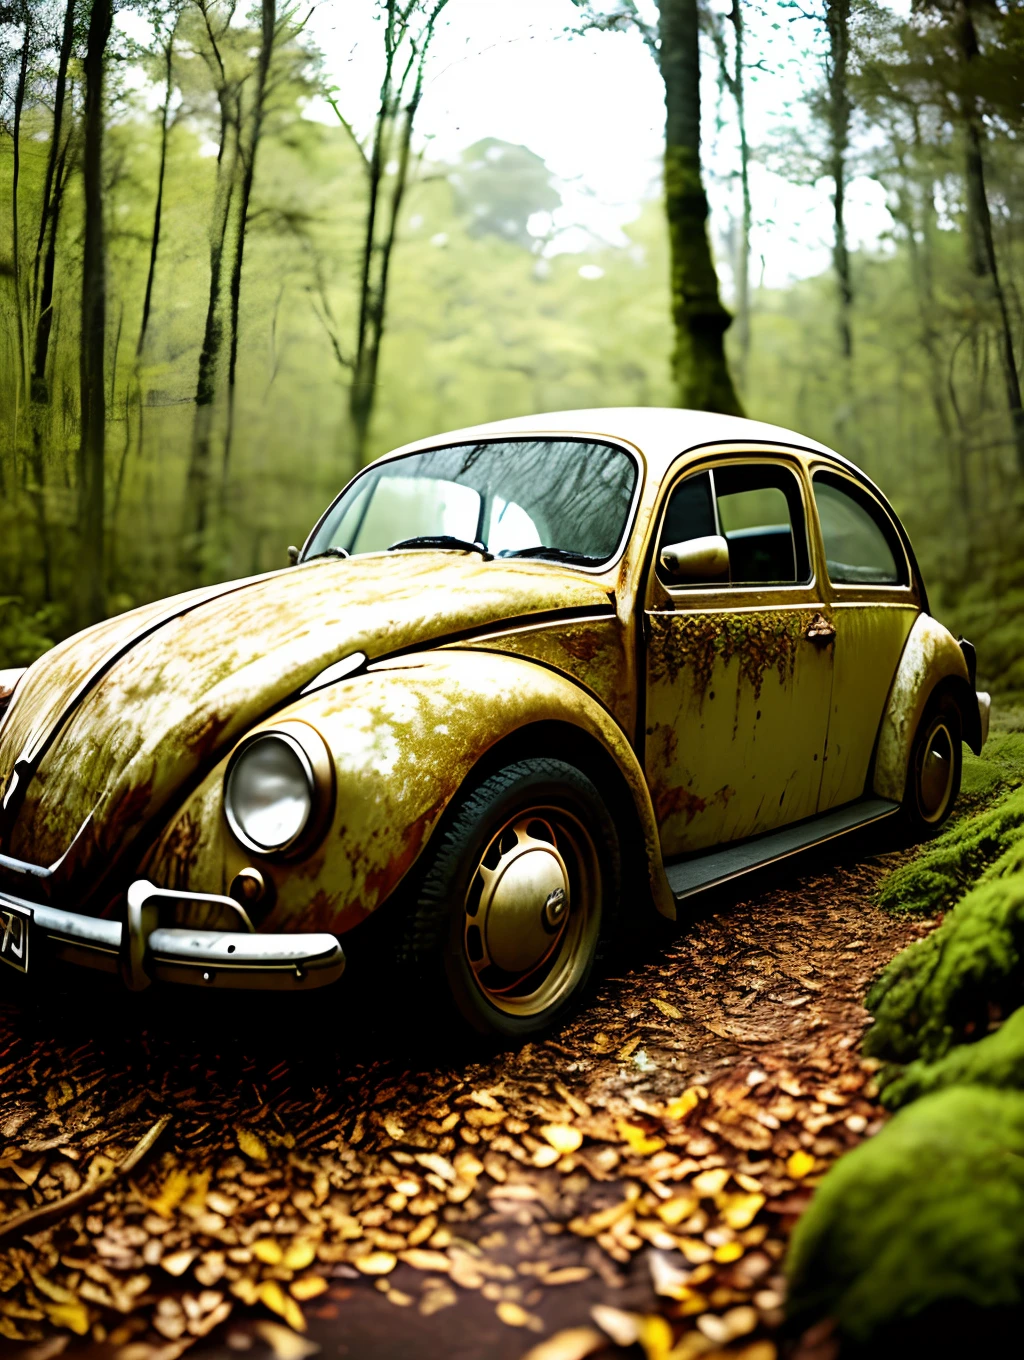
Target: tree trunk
x,y
837,22
268,32
45,254
154,244
981,242
197,484
699,365
19,105
91,602
743,247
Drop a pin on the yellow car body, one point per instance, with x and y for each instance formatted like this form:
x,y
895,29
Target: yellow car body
x,y
711,715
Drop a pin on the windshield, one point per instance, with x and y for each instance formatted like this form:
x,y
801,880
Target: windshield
x,y
563,498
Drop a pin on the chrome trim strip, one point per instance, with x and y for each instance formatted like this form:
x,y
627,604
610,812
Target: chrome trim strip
x,y
230,949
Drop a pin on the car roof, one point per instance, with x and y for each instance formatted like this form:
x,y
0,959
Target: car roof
x,y
661,433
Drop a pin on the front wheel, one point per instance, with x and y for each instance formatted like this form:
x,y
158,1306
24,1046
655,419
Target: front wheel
x,y
519,891
934,769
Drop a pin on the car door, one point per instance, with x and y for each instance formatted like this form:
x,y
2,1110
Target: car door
x,y
738,666
874,606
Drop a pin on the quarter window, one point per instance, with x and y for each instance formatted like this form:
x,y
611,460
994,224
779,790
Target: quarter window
x,y
757,508
860,543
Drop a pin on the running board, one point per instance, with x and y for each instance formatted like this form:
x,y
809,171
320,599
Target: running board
x,y
694,875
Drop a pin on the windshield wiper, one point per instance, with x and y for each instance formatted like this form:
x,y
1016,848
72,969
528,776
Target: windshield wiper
x,y
328,552
556,554
442,541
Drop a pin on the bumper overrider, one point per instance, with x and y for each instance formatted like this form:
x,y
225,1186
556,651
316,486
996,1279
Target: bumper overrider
x,y
143,950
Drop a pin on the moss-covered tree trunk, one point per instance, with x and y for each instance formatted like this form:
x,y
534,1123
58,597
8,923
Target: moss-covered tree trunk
x,y
980,239
91,450
837,23
699,366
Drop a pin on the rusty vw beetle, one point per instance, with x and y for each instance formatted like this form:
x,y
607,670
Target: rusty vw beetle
x,y
522,681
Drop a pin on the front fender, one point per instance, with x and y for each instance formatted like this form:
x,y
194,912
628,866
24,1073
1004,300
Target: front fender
x,y
930,657
405,736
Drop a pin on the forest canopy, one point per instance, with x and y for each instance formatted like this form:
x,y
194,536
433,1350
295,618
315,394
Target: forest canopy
x,y
225,286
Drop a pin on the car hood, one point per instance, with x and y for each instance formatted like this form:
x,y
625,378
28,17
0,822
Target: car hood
x,y
106,729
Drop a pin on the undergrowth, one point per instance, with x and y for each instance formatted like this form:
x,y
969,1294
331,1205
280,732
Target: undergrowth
x,y
928,1212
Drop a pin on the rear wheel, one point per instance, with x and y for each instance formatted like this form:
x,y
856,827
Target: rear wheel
x,y
519,892
933,773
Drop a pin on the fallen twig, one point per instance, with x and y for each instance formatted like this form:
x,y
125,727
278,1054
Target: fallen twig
x,y
35,1219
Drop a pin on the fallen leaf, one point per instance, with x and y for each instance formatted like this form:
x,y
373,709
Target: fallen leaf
x,y
377,1263
666,1008
512,1314
574,1343
637,1138
739,1211
177,1262
800,1164
73,1316
286,1344
172,1192
272,1296
622,1327
711,1182
268,1251
308,1287
300,1254
681,1106
656,1337
562,1137
251,1144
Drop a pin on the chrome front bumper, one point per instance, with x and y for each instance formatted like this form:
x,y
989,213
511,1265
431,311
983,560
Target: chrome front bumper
x,y
144,951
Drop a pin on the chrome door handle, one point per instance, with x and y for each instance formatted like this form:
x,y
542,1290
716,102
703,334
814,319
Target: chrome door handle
x,y
820,630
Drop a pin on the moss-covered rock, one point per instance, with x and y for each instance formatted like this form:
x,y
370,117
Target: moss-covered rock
x,y
942,989
987,845
929,1211
996,1061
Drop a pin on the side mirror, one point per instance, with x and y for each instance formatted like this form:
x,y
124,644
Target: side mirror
x,y
698,559
293,554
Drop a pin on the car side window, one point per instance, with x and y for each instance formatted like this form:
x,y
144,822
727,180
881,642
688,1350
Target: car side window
x,y
860,543
757,508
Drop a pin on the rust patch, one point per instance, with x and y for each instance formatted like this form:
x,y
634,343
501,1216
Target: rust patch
x,y
669,802
180,851
204,740
761,642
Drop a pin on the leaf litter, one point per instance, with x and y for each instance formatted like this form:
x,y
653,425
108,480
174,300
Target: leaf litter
x,y
294,1174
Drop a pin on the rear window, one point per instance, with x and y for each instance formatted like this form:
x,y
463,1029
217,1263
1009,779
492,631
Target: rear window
x,y
861,546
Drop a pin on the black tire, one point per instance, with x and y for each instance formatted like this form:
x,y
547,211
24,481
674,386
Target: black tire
x,y
934,768
519,891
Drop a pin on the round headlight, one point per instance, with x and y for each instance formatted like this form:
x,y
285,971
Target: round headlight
x,y
270,793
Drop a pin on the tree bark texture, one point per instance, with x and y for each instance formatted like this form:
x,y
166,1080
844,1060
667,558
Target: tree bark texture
x,y
19,105
837,23
91,602
158,208
699,365
268,34
981,241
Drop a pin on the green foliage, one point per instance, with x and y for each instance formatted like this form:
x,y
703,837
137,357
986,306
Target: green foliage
x,y
996,1061
939,990
27,633
929,1211
983,846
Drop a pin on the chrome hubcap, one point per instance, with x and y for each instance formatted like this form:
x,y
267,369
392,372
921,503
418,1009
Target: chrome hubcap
x,y
532,907
936,776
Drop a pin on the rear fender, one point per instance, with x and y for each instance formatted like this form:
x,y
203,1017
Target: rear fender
x,y
931,657
405,736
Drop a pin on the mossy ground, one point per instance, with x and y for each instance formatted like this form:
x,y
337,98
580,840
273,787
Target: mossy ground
x,y
928,1212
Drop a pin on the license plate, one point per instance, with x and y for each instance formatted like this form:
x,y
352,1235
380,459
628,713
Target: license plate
x,y
14,931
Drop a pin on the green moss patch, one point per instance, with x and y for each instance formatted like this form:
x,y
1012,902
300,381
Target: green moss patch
x,y
940,990
963,853
997,1061
930,1211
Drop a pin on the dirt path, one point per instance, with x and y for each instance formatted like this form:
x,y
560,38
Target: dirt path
x,y
320,1172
